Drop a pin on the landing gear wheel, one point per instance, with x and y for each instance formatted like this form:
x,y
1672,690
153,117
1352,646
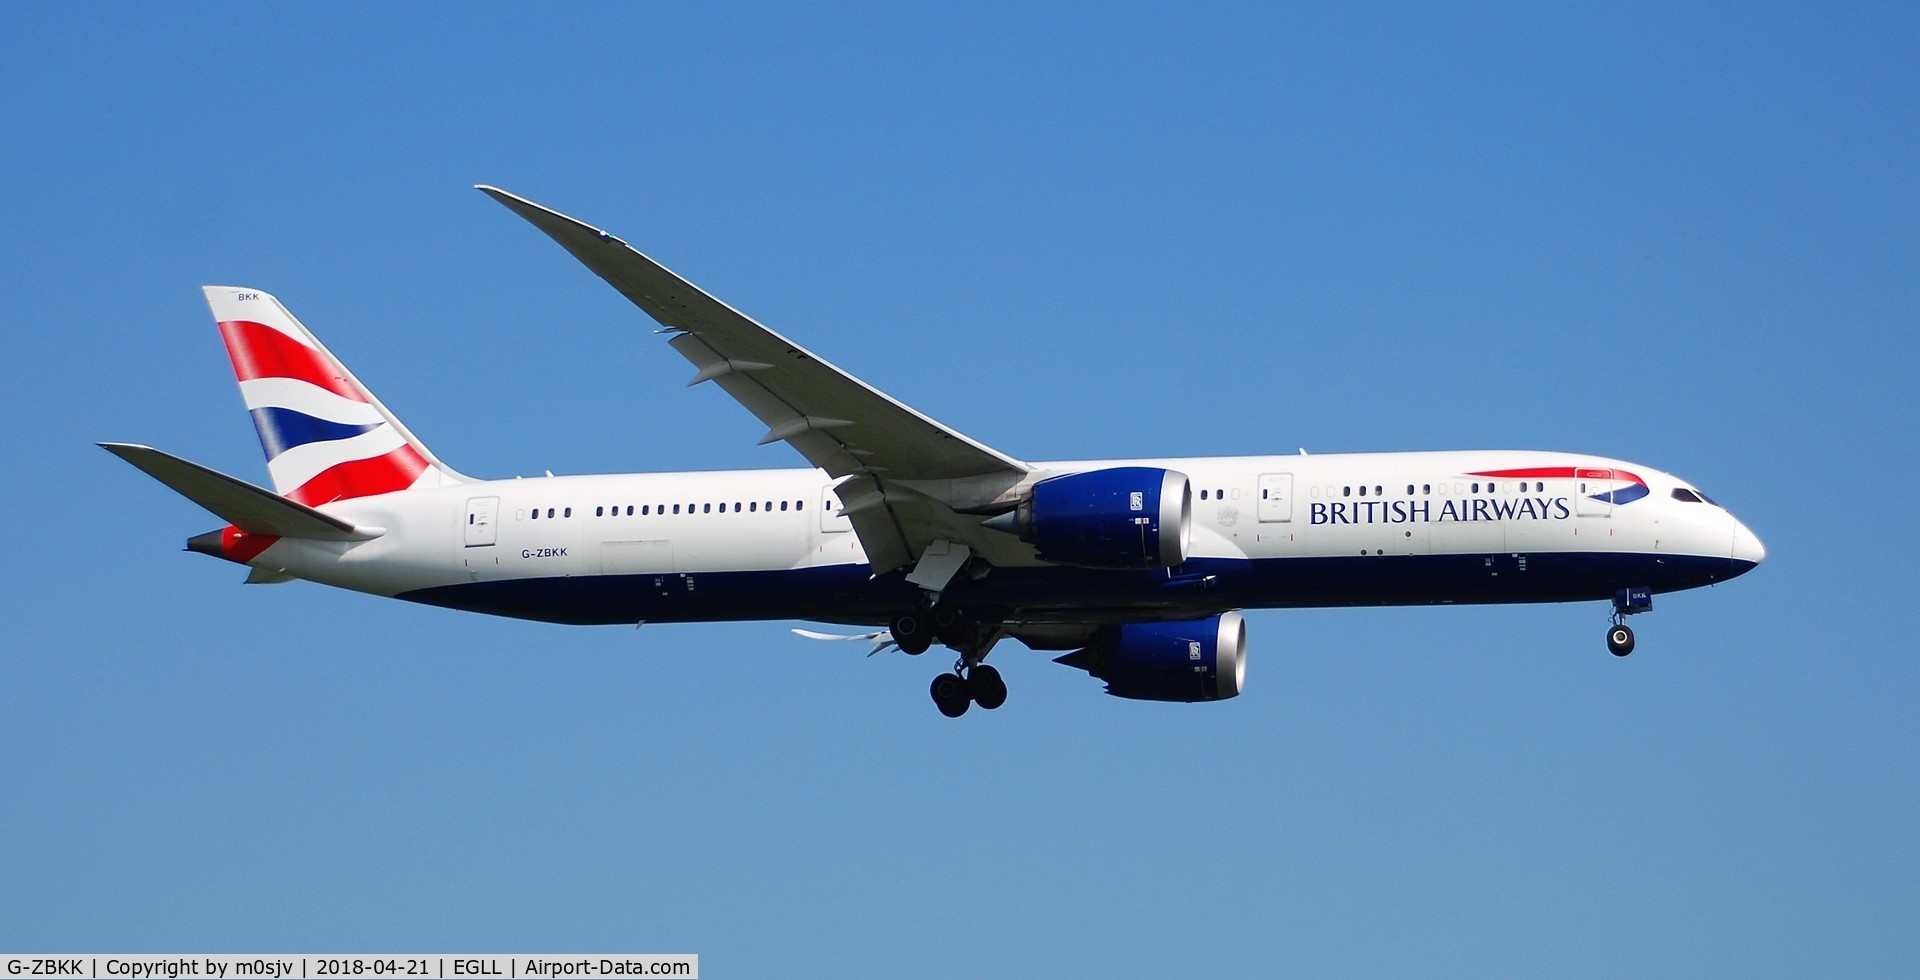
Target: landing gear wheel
x,y
950,695
988,690
950,625
912,632
1620,640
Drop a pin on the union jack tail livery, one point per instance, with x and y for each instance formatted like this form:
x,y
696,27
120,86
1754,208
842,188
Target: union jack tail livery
x,y
325,435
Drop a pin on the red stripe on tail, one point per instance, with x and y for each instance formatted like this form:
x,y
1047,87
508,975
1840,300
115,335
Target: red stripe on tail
x,y
259,351
395,470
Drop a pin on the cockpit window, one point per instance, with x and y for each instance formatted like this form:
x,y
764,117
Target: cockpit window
x,y
1682,493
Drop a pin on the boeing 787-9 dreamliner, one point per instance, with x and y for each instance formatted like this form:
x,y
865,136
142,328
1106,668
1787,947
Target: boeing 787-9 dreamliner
x,y
1133,570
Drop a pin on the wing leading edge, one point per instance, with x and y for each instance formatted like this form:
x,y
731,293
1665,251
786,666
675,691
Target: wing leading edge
x,y
902,474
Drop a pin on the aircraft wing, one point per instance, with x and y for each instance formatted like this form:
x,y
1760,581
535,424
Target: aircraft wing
x,y
890,458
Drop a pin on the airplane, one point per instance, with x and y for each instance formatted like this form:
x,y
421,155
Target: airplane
x,y
1133,570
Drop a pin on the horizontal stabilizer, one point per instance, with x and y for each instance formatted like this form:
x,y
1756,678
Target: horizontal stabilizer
x,y
252,509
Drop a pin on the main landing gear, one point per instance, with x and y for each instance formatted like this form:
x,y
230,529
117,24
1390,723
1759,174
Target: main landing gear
x,y
970,682
981,685
916,631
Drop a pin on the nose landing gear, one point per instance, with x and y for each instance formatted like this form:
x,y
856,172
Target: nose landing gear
x,y
1626,602
1620,639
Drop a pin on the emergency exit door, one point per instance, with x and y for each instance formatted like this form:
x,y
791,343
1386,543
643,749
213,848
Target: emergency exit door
x,y
1276,497
481,512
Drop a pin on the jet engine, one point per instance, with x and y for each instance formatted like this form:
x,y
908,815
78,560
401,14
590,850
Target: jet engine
x,y
1192,660
1123,517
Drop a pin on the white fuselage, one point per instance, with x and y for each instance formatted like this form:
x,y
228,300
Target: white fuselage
x,y
1357,529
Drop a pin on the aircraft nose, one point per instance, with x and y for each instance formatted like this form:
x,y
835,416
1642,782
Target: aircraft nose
x,y
1747,549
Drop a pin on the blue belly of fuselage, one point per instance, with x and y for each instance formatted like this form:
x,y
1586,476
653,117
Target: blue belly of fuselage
x,y
1203,586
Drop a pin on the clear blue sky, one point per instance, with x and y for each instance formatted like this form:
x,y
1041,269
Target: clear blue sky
x,y
1684,236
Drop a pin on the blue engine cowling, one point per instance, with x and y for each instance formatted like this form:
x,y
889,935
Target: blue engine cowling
x,y
1192,660
1123,517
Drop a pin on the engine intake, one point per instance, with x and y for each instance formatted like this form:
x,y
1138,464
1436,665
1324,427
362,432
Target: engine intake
x,y
1192,660
1123,517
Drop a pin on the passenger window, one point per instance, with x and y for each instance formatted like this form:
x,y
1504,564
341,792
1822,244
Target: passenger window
x,y
676,508
599,512
706,508
753,507
1426,489
1203,495
1346,491
783,505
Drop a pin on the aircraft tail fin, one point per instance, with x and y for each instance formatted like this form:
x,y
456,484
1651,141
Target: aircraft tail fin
x,y
326,437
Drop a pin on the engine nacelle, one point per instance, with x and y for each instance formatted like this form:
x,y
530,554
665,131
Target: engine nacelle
x,y
1124,517
1193,660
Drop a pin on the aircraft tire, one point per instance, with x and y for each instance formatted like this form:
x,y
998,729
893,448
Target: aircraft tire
x,y
950,695
913,632
988,690
1620,640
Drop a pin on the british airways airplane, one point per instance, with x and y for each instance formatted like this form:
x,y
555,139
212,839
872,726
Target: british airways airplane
x,y
1134,570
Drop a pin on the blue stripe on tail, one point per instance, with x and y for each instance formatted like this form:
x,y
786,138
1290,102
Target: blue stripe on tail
x,y
282,429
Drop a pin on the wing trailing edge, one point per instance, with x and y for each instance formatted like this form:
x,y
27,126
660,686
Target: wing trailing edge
x,y
878,446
